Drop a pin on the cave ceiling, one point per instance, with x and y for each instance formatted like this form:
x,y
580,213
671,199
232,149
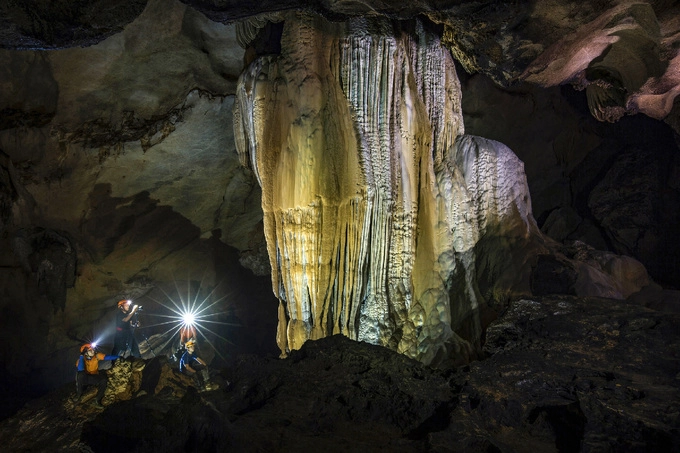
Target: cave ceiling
x,y
141,147
624,53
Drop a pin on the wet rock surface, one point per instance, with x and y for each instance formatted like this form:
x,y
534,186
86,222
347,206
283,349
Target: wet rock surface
x,y
562,374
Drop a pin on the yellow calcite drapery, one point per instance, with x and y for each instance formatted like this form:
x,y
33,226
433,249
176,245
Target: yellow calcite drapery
x,y
353,132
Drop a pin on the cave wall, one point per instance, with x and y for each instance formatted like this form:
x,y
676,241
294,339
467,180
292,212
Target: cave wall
x,y
612,185
120,180
119,173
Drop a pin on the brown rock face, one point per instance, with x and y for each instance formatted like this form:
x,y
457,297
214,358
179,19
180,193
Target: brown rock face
x,y
120,180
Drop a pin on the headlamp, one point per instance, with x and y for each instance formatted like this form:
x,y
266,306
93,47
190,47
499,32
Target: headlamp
x,y
188,319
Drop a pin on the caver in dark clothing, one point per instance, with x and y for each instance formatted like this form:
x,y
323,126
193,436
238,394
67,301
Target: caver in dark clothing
x,y
191,364
124,339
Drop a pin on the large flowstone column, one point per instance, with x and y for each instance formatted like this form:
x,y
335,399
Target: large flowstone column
x,y
373,200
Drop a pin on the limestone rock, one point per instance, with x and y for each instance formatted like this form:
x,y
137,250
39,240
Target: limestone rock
x,y
384,222
119,179
561,223
343,174
624,54
637,221
577,338
562,374
570,158
63,23
657,298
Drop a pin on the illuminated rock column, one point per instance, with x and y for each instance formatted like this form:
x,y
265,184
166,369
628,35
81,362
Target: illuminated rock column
x,y
352,134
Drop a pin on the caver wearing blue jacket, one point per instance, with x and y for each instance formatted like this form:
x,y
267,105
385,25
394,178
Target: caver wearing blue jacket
x,y
192,365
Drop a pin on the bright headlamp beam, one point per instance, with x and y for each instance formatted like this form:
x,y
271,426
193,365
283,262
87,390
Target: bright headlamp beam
x,y
188,319
190,314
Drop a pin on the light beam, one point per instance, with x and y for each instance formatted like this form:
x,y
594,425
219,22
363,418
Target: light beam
x,y
190,315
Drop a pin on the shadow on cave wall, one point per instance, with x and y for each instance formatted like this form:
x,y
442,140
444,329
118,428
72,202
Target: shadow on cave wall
x,y
250,299
237,311
627,186
611,185
132,241
136,227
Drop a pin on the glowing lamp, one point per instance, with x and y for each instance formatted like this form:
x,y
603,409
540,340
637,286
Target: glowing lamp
x,y
188,318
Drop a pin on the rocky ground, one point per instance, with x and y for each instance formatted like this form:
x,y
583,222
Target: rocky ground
x,y
562,374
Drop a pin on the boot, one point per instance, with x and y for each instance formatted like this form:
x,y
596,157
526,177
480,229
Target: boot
x,y
207,385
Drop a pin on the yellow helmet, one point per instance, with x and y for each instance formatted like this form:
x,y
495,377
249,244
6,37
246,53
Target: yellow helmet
x,y
190,342
85,347
123,302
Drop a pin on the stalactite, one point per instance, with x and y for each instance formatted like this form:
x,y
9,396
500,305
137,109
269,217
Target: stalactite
x,y
372,201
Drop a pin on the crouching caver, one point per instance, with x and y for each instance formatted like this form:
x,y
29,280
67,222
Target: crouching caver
x,y
88,373
192,365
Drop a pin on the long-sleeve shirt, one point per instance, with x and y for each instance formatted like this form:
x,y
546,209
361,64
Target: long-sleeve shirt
x,y
91,366
191,360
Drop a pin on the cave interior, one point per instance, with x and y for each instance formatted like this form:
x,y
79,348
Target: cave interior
x,y
407,226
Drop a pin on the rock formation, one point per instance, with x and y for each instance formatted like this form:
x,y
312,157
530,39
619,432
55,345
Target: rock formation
x,y
120,175
120,180
384,222
562,373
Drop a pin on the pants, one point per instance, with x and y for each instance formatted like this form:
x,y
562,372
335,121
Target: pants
x,y
123,341
83,380
202,375
151,376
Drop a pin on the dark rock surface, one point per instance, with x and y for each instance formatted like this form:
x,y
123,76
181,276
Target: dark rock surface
x,y
30,24
609,185
586,374
562,374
